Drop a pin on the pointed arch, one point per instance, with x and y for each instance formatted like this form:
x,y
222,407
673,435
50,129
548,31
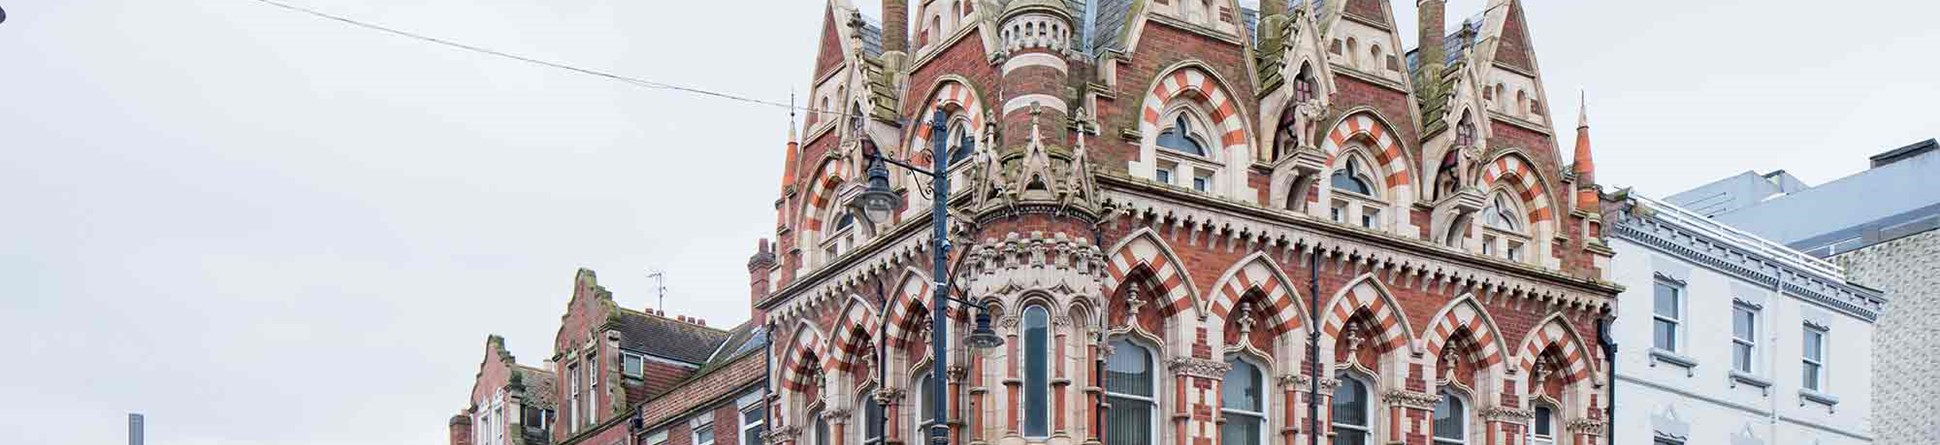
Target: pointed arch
x,y
1366,294
1461,314
853,331
1144,249
1193,81
952,94
1514,170
1383,144
821,192
1556,332
1259,273
803,354
906,306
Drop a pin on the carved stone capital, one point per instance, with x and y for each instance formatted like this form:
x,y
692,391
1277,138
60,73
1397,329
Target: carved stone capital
x,y
1329,384
1411,399
1593,427
956,373
782,435
889,396
1293,381
1198,367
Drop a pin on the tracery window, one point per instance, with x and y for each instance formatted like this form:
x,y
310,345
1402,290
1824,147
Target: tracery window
x,y
1130,388
1037,372
1353,422
1504,232
1357,195
1242,404
1465,131
1185,158
1303,86
1451,420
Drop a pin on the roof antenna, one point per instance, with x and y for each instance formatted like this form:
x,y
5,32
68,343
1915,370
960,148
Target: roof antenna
x,y
660,289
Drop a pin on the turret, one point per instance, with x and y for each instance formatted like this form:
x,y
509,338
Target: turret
x,y
1036,35
1584,167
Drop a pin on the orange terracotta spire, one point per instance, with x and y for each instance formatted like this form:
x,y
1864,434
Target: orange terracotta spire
x,y
1585,168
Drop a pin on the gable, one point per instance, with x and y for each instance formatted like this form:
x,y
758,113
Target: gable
x,y
830,57
1374,11
1514,50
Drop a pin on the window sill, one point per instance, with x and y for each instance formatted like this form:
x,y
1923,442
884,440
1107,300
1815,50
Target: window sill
x,y
1738,377
1659,355
1807,395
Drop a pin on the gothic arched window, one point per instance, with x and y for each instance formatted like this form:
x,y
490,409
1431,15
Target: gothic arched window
x,y
1451,420
1131,389
1182,136
1542,426
1243,405
1504,232
1303,86
925,410
1353,421
821,428
871,416
1185,154
1037,372
962,142
1465,131
1357,195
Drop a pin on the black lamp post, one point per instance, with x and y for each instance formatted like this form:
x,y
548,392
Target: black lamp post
x,y
877,204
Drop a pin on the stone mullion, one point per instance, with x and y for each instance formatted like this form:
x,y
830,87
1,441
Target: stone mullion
x,y
1060,384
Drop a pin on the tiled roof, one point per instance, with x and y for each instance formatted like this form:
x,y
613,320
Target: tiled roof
x,y
668,338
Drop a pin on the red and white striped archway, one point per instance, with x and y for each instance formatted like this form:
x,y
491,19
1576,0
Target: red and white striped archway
x,y
1145,250
1380,141
1258,273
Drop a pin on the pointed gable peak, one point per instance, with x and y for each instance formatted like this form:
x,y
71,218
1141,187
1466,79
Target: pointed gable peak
x,y
1514,50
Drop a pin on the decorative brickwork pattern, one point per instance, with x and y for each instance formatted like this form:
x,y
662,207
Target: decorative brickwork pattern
x,y
1906,362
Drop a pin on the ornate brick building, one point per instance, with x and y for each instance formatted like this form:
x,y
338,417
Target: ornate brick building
x,y
1195,223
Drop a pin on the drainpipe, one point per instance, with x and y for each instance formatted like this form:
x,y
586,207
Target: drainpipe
x,y
1313,346
1609,344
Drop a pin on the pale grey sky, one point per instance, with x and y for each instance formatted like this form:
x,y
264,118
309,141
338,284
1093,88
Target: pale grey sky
x,y
259,227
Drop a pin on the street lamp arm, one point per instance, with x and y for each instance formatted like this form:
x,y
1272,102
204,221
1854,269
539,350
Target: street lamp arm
x,y
893,161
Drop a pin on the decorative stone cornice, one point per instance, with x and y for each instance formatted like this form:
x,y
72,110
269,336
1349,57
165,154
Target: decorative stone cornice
x,y
1411,399
1198,367
1398,259
1676,232
1507,414
1058,262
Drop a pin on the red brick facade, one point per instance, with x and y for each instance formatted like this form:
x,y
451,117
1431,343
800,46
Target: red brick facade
x,y
1095,227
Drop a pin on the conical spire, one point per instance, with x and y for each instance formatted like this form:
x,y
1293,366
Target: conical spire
x,y
1584,166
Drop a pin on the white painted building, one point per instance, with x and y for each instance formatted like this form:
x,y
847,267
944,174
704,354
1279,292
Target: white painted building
x,y
1726,338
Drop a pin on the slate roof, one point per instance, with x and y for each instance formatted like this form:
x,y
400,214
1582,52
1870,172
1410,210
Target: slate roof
x,y
668,338
1109,17
871,36
538,386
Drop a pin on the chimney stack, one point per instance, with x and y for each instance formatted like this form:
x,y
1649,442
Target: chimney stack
x,y
759,265
1433,19
1273,7
895,26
